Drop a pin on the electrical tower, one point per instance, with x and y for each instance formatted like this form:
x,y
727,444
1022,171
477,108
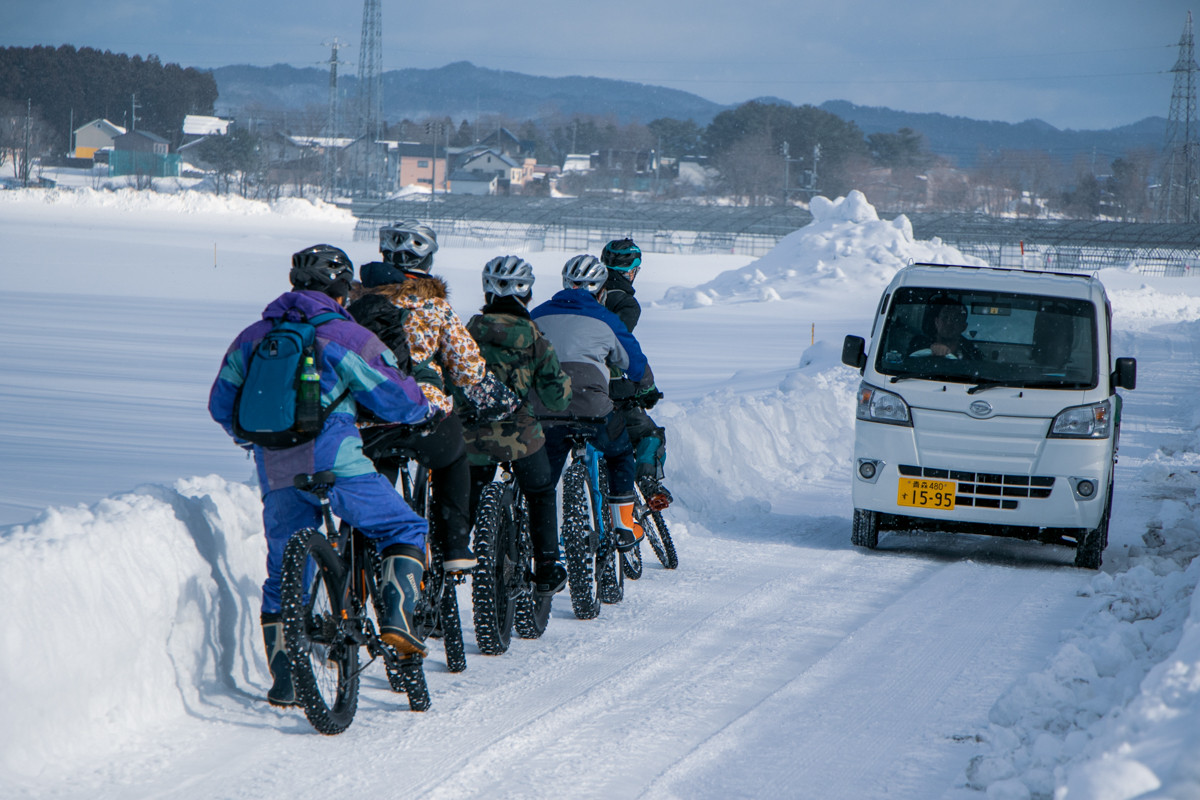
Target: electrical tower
x,y
370,92
1178,200
332,123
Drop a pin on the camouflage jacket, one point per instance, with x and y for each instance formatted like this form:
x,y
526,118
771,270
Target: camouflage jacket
x,y
524,361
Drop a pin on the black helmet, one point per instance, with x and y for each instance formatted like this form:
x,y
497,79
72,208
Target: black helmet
x,y
584,272
506,276
621,255
408,244
322,268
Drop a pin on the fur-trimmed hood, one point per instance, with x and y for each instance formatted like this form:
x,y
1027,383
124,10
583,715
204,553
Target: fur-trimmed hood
x,y
413,285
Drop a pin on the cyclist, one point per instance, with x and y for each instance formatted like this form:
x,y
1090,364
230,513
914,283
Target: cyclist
x,y
589,339
624,260
442,352
355,361
525,361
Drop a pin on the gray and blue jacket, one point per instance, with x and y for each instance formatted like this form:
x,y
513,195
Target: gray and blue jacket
x,y
589,339
352,360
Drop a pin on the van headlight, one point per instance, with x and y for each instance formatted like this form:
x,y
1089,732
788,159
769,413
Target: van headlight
x,y
876,405
1092,421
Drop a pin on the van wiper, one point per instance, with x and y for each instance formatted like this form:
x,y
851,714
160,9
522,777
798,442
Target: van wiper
x,y
988,383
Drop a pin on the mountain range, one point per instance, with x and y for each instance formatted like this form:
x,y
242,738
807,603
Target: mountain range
x,y
462,90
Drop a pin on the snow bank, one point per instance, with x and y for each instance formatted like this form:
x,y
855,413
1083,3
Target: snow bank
x,y
1114,714
727,451
185,202
124,616
845,247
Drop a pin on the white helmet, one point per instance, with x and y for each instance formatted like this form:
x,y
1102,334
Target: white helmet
x,y
408,245
586,272
506,276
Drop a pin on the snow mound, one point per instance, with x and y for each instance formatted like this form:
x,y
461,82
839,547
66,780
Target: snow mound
x,y
768,444
845,247
1095,722
148,594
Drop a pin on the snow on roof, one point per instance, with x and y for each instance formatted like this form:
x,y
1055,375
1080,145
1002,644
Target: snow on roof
x,y
197,125
104,125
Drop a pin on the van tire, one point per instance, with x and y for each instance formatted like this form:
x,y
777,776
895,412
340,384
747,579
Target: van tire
x,y
865,532
1089,553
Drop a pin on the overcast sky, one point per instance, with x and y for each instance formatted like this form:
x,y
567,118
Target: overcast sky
x,y
1073,63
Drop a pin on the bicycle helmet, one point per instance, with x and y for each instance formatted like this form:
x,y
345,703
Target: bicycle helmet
x,y
322,268
506,276
408,244
621,255
584,272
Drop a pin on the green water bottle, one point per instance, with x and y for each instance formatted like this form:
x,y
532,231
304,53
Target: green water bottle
x,y
308,398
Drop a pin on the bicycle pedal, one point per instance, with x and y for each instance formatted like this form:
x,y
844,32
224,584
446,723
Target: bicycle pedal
x,y
658,502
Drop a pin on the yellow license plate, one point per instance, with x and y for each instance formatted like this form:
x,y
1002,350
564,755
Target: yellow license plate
x,y
921,493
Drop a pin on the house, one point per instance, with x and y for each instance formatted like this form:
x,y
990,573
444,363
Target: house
x,y
142,142
143,153
198,125
577,162
505,142
96,135
511,171
473,183
416,163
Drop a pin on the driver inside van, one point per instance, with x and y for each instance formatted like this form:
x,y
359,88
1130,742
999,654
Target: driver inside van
x,y
943,327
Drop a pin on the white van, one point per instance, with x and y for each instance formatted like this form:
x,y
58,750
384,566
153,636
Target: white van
x,y
988,404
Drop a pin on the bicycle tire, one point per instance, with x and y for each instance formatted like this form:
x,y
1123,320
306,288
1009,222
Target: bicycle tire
x,y
578,546
324,659
493,607
610,578
412,673
452,635
657,533
631,563
533,615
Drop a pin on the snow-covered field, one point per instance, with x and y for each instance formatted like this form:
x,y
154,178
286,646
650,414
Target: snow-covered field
x,y
778,661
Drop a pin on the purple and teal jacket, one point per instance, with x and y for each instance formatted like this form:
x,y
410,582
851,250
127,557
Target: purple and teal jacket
x,y
350,358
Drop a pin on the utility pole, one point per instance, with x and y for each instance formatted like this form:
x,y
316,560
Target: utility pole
x,y
28,129
133,108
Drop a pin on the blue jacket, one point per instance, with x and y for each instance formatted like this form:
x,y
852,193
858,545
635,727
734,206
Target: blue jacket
x,y
350,357
589,339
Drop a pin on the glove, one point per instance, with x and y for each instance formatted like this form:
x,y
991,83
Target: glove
x,y
427,426
648,398
492,399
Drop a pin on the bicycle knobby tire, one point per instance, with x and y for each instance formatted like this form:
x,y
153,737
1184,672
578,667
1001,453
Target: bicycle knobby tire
x,y
493,609
657,533
324,658
577,548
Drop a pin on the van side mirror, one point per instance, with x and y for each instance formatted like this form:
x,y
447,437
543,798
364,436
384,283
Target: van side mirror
x,y
1125,375
854,352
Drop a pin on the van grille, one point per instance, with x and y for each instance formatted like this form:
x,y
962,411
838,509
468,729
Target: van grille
x,y
986,489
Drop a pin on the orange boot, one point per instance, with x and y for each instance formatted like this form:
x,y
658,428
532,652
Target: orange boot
x,y
629,530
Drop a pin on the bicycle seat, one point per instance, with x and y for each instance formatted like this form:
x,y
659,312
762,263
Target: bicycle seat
x,y
316,483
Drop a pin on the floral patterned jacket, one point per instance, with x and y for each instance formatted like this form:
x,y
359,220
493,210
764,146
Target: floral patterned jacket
x,y
435,334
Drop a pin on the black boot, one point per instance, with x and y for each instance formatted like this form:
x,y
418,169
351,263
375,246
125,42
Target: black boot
x,y
400,586
281,693
550,577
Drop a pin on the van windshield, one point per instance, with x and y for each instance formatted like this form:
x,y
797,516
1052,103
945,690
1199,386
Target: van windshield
x,y
989,339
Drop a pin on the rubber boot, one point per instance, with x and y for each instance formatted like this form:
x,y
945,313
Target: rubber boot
x,y
629,531
282,693
400,586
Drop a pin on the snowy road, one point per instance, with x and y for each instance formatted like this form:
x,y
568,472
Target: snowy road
x,y
778,661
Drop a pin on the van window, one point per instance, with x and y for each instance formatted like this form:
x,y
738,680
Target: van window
x,y
966,336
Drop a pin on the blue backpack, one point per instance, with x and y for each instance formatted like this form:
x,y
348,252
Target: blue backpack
x,y
279,403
